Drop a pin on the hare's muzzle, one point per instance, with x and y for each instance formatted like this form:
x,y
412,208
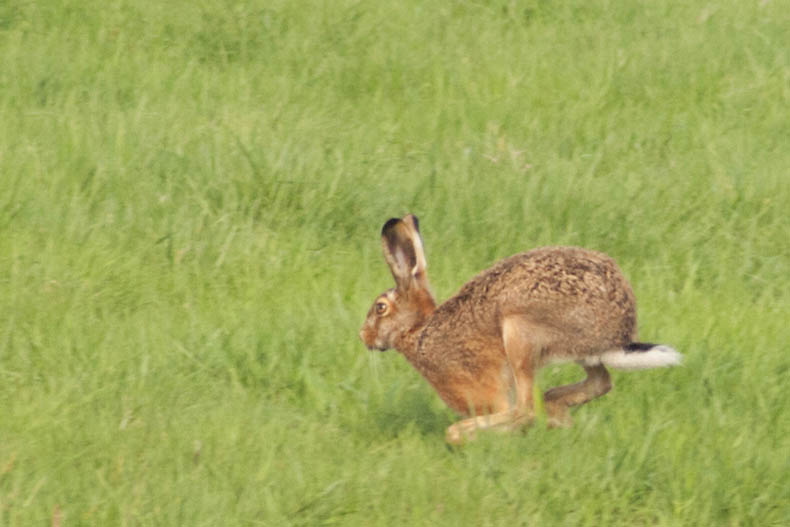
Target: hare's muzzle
x,y
363,339
370,341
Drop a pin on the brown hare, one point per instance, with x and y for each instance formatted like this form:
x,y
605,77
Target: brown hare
x,y
480,349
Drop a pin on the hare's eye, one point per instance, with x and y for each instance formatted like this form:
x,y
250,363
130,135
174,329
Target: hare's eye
x,y
381,308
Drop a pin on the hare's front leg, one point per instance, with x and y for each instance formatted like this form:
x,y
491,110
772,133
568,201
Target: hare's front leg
x,y
518,341
466,430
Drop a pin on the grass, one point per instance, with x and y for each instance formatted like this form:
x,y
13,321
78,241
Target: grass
x,y
190,201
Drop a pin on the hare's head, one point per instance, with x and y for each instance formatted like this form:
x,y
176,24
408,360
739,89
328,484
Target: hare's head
x,y
398,311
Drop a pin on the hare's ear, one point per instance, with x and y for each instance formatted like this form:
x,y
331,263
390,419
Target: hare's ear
x,y
402,246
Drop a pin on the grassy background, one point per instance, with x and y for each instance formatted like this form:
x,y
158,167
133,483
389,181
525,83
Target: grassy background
x,y
190,201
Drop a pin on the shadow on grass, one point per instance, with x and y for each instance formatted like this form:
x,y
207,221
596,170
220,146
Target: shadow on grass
x,y
413,411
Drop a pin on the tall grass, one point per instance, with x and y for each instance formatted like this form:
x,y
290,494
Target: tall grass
x,y
190,201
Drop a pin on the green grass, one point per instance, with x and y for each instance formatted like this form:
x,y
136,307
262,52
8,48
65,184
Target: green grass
x,y
190,201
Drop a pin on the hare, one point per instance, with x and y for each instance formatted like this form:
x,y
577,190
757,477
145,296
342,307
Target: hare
x,y
481,349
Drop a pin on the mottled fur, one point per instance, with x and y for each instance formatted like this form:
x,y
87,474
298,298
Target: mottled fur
x,y
481,348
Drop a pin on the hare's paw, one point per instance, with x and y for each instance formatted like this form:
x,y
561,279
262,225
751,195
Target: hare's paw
x,y
461,432
558,415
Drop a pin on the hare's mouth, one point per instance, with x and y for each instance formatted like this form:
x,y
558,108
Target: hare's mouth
x,y
377,345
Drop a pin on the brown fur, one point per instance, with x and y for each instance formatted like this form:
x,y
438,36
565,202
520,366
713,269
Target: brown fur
x,y
481,348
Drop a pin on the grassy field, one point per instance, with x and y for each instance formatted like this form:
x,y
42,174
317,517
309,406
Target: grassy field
x,y
191,195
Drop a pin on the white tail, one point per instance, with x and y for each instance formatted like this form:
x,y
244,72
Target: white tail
x,y
638,358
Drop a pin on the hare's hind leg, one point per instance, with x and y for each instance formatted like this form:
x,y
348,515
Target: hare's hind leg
x,y
519,347
558,400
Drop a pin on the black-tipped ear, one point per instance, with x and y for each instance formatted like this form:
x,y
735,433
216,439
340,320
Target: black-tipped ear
x,y
398,251
402,247
389,225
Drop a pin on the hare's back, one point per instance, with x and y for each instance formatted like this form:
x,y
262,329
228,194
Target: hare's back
x,y
559,274
579,295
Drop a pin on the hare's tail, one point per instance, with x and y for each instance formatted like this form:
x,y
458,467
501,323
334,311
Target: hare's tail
x,y
638,356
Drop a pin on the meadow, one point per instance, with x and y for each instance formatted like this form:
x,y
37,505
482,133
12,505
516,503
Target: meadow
x,y
191,195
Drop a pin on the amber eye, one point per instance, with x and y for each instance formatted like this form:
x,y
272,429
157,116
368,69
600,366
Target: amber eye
x,y
381,308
